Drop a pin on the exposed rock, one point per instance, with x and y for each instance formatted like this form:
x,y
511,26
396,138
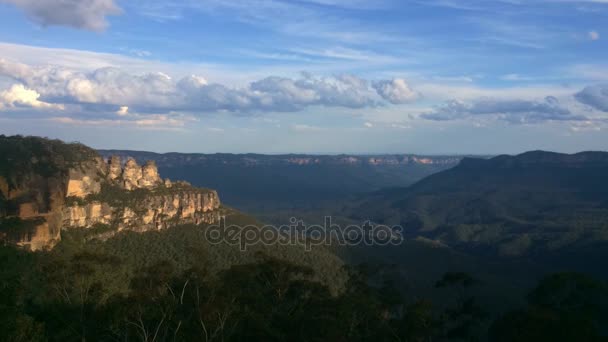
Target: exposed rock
x,y
33,207
154,212
115,168
28,210
86,179
87,215
42,236
131,175
150,177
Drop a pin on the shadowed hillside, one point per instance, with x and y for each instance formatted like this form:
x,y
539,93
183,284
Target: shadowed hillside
x,y
528,204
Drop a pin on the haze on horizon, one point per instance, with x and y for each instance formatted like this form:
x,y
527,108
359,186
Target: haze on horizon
x,y
311,76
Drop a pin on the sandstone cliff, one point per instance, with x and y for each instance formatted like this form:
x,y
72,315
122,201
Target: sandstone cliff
x,y
47,186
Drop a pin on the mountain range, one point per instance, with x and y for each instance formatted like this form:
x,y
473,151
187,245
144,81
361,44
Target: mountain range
x,y
528,204
87,234
266,184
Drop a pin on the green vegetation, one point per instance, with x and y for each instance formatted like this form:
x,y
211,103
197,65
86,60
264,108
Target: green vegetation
x,y
61,297
99,284
563,307
16,227
185,247
26,156
532,204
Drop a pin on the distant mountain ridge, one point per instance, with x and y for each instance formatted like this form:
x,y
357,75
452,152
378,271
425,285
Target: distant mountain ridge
x,y
267,184
253,159
507,205
544,157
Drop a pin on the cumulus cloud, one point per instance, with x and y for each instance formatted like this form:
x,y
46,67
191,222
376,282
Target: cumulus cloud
x,y
159,92
19,96
293,94
595,96
396,91
82,14
513,111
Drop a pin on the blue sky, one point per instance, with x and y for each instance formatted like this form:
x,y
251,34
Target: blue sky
x,y
319,76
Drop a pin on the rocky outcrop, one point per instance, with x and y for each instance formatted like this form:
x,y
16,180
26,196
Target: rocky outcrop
x,y
114,168
86,178
131,175
45,191
111,199
154,212
150,177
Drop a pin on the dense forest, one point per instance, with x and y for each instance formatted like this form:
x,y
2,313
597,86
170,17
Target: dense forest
x,y
443,282
130,289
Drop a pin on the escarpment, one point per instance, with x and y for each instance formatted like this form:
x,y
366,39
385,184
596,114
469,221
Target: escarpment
x,y
47,185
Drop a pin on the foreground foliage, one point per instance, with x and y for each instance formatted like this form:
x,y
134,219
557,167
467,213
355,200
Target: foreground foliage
x,y
59,298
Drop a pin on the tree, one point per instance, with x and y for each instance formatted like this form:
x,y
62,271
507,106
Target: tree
x,y
563,307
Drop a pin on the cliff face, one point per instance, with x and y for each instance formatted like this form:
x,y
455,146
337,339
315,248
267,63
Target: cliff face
x,y
47,186
154,212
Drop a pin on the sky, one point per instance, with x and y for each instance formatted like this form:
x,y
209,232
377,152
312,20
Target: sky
x,y
308,76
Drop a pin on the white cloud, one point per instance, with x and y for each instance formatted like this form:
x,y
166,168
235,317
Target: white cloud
x,y
594,35
159,92
396,91
82,14
513,111
163,122
123,111
368,124
595,96
446,92
20,96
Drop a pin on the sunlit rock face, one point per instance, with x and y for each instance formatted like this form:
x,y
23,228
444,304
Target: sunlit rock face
x,y
37,203
154,212
114,168
86,178
131,174
87,215
150,177
162,205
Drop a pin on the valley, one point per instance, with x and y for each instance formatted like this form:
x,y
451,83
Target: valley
x,y
495,228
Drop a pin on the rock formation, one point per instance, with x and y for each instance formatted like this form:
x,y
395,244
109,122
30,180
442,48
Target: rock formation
x,y
114,168
150,177
154,212
80,190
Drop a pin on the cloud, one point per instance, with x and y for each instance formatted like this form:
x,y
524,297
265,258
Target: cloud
x,y
513,111
396,91
594,35
20,96
82,14
595,96
158,92
293,94
162,122
123,111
